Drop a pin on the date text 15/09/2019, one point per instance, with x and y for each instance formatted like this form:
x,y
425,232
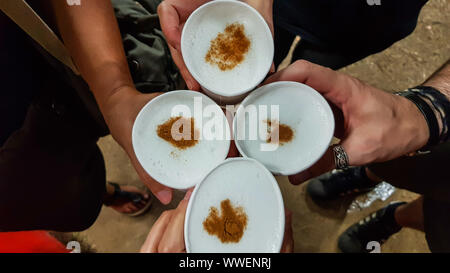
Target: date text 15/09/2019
x,y
226,263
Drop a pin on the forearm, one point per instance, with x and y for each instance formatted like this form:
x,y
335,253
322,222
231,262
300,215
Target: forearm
x,y
91,34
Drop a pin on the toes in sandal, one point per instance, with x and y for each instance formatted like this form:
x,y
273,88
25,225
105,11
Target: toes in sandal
x,y
136,198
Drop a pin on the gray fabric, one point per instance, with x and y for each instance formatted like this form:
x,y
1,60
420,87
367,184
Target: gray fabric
x,y
147,52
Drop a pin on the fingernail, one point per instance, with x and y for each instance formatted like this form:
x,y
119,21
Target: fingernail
x,y
165,196
188,195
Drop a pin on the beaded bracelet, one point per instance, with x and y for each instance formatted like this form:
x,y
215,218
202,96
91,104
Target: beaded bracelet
x,y
435,107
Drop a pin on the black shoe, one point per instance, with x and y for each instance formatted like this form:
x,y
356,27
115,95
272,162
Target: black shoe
x,y
339,183
377,227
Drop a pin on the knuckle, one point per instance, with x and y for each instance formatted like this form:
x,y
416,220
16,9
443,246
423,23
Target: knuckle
x,y
163,249
303,64
356,83
160,7
166,213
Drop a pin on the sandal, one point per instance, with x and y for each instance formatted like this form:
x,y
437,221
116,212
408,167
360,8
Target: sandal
x,y
136,198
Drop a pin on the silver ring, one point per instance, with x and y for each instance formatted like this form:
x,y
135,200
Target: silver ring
x,y
340,157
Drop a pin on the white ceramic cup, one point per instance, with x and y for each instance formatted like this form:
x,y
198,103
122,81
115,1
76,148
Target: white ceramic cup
x,y
203,25
169,165
248,184
303,109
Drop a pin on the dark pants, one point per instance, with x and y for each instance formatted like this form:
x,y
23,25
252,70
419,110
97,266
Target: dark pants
x,y
52,174
427,175
308,51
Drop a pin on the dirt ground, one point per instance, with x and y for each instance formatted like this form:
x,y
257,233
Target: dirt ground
x,y
316,228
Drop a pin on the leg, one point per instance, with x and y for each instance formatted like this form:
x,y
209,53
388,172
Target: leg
x,y
376,227
411,215
437,224
424,214
52,175
127,199
425,174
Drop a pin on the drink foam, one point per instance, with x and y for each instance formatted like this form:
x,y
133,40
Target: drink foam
x,y
204,26
247,184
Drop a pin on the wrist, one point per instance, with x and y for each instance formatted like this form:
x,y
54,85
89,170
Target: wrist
x,y
417,131
116,97
435,108
108,80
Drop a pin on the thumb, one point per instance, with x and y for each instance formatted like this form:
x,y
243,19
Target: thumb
x,y
173,239
170,24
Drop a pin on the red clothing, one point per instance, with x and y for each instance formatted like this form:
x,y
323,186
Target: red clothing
x,y
30,242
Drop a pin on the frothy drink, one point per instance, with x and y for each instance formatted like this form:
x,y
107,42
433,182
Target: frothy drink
x,y
296,138
171,145
238,207
227,47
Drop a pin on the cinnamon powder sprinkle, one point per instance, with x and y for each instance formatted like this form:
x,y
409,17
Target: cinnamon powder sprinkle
x,y
229,48
181,138
285,133
229,226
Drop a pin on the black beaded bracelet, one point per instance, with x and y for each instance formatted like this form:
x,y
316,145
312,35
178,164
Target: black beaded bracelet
x,y
441,105
434,106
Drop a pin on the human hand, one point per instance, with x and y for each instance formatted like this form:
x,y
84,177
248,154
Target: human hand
x,y
173,15
265,8
120,112
374,126
167,234
288,240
